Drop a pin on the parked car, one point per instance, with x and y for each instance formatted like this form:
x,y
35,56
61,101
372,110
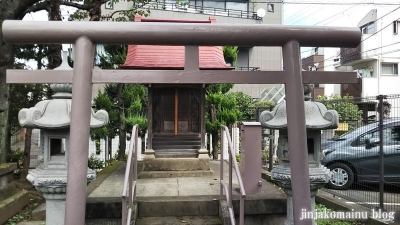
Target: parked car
x,y
354,157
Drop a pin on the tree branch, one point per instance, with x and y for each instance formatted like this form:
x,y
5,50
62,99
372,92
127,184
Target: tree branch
x,y
125,10
35,8
78,6
24,5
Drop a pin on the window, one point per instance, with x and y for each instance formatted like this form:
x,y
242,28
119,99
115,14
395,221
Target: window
x,y
242,62
390,69
221,4
237,6
394,136
368,28
360,141
270,7
109,5
214,4
391,136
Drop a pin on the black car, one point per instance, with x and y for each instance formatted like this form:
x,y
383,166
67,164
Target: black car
x,y
354,157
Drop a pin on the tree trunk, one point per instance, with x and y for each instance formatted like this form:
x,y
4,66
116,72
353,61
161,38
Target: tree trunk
x,y
54,51
215,145
6,62
121,123
214,135
95,11
27,154
110,156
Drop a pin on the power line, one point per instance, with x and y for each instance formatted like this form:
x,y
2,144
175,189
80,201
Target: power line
x,y
377,54
335,15
295,15
367,37
384,53
309,14
312,13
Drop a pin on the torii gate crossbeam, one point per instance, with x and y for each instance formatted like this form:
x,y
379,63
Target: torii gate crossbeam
x,y
86,34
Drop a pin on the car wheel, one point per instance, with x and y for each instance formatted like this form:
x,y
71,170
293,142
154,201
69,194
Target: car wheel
x,y
342,176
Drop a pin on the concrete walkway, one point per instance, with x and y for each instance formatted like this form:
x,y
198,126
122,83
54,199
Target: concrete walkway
x,y
107,189
180,186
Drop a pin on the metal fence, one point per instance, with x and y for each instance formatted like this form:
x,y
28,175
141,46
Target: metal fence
x,y
18,145
364,155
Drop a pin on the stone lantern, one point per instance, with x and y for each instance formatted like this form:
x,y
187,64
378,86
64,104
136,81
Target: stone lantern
x,y
317,118
53,118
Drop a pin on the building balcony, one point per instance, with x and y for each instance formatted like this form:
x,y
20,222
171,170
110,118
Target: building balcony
x,y
366,51
183,7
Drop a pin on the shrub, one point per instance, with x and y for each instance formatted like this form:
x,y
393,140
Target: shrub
x,y
16,156
95,163
238,157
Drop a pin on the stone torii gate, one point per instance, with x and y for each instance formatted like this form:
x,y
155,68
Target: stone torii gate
x,y
86,34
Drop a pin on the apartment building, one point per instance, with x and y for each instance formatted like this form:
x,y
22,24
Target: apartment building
x,y
376,59
225,11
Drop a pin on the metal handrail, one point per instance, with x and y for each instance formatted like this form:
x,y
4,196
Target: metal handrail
x,y
228,191
129,196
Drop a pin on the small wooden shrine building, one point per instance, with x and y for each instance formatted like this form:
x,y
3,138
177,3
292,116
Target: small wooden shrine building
x,y
176,113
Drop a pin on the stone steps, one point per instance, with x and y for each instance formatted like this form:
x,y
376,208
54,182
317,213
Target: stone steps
x,y
178,206
176,146
13,204
173,220
176,153
12,198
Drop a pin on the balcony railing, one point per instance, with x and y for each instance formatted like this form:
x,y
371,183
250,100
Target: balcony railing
x,y
242,68
350,54
181,7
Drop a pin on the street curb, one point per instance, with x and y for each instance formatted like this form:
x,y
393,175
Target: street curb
x,y
336,204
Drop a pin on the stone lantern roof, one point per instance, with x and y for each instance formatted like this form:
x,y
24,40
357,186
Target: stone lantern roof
x,y
317,115
56,113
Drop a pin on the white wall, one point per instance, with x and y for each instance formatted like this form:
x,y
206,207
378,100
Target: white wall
x,y
383,47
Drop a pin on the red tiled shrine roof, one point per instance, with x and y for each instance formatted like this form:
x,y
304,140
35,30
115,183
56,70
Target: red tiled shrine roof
x,y
172,57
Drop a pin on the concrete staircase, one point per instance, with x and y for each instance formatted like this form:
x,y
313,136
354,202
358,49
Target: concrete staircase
x,y
192,220
181,200
198,210
157,211
178,210
176,146
275,94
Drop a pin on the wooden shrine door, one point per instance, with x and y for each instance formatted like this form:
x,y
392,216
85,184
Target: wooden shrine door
x,y
176,110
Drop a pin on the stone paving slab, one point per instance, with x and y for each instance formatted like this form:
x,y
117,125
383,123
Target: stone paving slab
x,y
179,186
184,220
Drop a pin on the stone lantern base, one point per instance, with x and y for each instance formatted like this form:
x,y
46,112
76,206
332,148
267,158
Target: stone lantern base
x,y
319,176
53,185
